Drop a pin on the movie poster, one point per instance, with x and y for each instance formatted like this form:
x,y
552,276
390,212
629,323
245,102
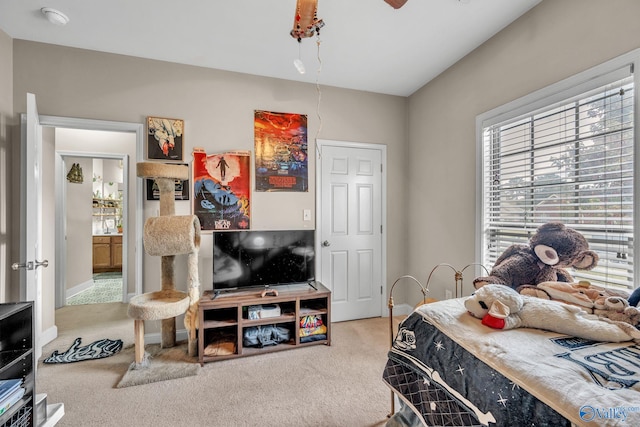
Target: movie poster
x,y
281,151
221,189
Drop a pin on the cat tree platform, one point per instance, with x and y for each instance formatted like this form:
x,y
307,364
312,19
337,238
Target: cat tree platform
x,y
160,305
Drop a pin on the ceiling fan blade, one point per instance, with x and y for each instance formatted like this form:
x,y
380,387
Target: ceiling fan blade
x,y
396,4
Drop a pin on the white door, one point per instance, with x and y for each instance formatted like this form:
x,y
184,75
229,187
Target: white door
x,y
32,262
351,230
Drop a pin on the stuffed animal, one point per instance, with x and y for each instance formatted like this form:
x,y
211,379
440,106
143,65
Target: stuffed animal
x,y
551,250
501,307
605,302
582,294
616,308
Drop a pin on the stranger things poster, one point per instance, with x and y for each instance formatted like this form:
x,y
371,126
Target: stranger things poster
x,y
222,189
281,151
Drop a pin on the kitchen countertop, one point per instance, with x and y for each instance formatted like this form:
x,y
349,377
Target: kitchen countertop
x,y
107,234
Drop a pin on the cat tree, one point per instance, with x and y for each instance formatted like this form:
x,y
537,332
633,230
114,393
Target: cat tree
x,y
168,235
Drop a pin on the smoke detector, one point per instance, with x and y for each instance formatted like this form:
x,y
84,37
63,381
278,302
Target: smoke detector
x,y
55,16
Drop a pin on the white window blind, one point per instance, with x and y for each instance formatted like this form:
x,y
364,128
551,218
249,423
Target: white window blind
x,y
570,161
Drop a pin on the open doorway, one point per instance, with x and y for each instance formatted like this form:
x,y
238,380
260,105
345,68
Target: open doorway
x,y
93,203
88,139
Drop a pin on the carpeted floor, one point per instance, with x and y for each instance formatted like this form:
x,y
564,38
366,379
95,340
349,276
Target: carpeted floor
x,y
107,287
319,386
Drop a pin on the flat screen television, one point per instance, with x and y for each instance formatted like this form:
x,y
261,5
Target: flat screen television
x,y
261,259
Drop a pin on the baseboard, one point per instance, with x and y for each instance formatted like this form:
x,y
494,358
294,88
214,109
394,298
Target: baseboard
x,y
401,310
49,335
156,337
78,288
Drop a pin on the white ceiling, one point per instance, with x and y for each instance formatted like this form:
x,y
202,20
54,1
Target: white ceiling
x,y
365,44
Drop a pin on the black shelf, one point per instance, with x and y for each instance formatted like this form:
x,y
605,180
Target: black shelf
x,y
17,360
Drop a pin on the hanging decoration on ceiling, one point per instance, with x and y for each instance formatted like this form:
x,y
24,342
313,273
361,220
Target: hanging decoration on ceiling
x,y
306,22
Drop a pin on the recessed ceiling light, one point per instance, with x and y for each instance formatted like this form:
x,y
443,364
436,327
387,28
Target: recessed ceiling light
x,y
55,16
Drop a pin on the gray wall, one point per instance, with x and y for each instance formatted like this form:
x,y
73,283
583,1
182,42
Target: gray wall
x,y
79,266
6,177
553,41
218,108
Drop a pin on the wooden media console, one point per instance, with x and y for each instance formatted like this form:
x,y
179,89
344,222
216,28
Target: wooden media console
x,y
224,319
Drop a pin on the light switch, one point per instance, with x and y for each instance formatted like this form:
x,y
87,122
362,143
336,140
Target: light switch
x,y
306,214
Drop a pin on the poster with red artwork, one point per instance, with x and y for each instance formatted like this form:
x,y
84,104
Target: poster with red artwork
x,y
281,151
221,189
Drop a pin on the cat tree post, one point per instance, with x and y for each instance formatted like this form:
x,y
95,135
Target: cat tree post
x,y
167,207
168,235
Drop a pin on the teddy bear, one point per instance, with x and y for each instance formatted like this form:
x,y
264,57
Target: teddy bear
x,y
551,250
616,308
605,302
501,307
582,293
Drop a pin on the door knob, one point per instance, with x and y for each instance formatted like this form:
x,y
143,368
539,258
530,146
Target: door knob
x,y
43,263
30,265
26,265
326,243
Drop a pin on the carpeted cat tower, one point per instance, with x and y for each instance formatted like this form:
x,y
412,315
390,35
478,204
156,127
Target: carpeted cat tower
x,y
168,235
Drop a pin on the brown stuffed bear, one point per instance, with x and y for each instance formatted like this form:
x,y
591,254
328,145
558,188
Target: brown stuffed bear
x,y
550,251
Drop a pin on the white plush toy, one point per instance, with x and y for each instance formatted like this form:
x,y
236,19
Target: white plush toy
x,y
501,307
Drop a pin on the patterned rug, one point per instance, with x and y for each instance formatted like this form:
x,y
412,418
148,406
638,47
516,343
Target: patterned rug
x,y
96,350
107,287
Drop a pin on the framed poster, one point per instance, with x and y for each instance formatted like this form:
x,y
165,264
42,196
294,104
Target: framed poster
x,y
280,141
164,138
181,192
222,189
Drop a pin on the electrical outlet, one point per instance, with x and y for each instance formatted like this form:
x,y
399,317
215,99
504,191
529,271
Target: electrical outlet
x,y
448,294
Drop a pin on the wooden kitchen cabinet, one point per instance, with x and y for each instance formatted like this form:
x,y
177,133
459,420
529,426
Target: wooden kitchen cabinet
x,y
107,253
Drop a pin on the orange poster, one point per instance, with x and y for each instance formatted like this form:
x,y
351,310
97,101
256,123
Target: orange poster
x,y
281,151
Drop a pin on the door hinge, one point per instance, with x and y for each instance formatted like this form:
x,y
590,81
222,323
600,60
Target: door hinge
x,y
380,290
380,228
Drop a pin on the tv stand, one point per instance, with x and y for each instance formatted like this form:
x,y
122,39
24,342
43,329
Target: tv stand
x,y
224,317
269,293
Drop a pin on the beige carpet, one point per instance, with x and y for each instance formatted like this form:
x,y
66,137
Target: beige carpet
x,y
337,385
162,364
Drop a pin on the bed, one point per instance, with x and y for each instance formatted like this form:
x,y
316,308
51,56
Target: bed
x,y
447,369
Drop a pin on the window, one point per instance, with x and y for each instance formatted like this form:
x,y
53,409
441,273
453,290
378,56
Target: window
x,y
568,156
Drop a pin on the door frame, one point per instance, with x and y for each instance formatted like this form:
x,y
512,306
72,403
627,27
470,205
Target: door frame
x,y
109,126
61,215
383,200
